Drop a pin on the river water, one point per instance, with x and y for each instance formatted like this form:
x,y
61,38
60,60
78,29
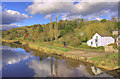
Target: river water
x,y
19,62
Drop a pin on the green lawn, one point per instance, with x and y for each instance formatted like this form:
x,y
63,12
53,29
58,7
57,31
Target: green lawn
x,y
86,47
55,47
110,60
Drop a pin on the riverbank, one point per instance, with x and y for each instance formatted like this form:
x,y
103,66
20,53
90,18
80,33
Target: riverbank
x,y
98,58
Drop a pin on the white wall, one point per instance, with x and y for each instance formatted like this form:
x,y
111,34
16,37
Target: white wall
x,y
102,41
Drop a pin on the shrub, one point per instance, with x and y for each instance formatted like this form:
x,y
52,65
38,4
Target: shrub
x,y
75,41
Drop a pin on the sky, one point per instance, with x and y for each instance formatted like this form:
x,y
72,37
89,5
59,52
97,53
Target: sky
x,y
17,14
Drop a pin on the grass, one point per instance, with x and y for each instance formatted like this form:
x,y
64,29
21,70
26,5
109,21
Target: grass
x,y
55,47
85,47
81,47
111,61
51,46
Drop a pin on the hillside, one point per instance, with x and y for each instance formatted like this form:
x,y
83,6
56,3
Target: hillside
x,y
73,33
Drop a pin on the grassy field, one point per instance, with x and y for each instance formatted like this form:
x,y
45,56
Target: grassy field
x,y
55,47
88,48
111,61
66,48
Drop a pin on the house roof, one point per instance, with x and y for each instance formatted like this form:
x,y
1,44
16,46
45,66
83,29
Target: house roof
x,y
104,35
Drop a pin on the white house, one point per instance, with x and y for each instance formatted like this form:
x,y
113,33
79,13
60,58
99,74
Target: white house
x,y
98,40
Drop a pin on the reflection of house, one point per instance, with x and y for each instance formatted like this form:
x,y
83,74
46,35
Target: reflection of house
x,y
96,70
98,40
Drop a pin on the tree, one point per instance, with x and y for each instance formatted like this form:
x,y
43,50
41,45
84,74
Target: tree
x,y
103,20
62,32
56,28
51,29
40,29
118,25
68,28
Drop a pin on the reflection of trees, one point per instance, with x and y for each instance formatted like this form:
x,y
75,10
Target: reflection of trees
x,y
55,67
51,66
40,54
15,45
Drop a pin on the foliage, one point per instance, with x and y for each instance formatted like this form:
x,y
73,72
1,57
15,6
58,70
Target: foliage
x,y
72,32
75,41
103,20
68,28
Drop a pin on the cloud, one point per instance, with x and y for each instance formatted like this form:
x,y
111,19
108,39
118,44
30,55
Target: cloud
x,y
69,10
41,69
99,0
10,16
12,56
99,19
48,7
47,16
8,26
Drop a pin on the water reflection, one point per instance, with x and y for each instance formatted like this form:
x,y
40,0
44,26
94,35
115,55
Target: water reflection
x,y
13,55
56,68
39,64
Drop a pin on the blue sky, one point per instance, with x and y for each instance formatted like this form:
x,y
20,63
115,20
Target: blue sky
x,y
30,13
20,7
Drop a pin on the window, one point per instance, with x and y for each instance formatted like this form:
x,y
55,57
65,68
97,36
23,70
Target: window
x,y
96,40
91,43
96,37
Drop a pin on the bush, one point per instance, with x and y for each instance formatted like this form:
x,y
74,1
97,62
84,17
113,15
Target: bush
x,y
103,20
75,41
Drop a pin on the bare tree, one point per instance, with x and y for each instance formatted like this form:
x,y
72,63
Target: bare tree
x,y
56,28
51,29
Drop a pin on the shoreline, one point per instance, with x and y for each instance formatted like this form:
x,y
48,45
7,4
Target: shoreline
x,y
68,54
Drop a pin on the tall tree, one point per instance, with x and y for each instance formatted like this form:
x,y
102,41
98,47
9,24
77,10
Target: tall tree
x,y
51,29
56,28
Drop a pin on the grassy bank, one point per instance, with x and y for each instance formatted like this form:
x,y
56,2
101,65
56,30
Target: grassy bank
x,y
110,62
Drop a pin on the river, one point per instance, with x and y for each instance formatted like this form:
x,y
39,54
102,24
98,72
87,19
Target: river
x,y
19,62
